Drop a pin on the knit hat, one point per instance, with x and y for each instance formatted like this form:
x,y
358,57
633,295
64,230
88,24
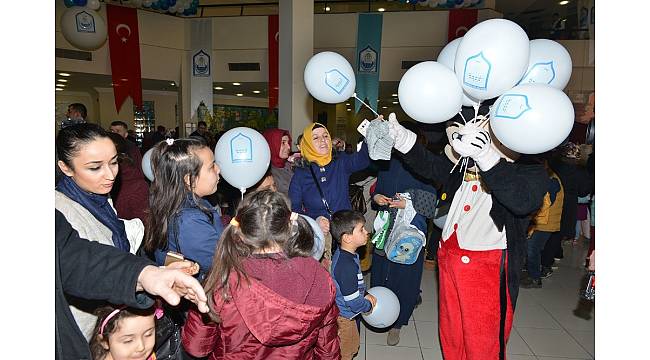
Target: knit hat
x,y
379,141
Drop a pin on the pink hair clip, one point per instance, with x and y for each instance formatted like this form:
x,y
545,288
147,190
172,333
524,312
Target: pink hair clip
x,y
159,313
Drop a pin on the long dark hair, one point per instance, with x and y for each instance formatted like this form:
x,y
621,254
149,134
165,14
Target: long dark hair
x,y
70,139
263,219
96,349
168,191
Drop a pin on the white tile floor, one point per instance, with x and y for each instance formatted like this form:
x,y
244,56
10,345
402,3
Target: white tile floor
x,y
545,327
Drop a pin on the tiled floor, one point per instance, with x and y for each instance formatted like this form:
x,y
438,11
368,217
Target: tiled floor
x,y
545,327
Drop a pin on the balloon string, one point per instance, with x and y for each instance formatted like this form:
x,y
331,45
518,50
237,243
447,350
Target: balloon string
x,y
461,115
242,190
371,109
456,164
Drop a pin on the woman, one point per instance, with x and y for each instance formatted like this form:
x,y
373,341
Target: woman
x,y
88,161
280,144
327,172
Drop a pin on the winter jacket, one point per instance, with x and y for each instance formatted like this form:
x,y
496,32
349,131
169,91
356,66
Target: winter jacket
x,y
550,221
333,179
517,191
193,234
576,182
132,198
89,270
285,310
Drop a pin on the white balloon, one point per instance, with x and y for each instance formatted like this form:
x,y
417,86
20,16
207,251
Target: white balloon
x,y
429,93
549,63
146,165
136,3
492,58
93,4
532,118
329,77
447,57
147,3
83,28
243,156
387,309
319,238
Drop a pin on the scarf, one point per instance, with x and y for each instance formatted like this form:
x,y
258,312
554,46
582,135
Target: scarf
x,y
99,207
274,138
308,149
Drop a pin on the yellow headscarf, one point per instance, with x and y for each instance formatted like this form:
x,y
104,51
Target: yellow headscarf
x,y
308,149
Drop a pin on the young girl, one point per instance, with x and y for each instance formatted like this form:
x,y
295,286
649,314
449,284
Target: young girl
x,y
268,298
180,220
87,159
123,333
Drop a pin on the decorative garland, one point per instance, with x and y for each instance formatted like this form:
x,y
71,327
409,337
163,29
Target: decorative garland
x,y
176,7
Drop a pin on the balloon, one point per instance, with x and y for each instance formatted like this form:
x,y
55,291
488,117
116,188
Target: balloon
x,y
94,4
80,2
447,57
319,238
83,28
68,3
146,165
387,309
429,93
243,156
136,3
492,58
147,3
329,77
549,63
532,118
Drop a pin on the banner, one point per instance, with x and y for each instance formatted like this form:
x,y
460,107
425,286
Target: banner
x,y
367,59
587,25
201,62
124,48
460,21
274,63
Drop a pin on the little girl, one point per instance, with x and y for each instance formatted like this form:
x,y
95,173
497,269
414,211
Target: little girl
x,y
180,220
268,298
123,333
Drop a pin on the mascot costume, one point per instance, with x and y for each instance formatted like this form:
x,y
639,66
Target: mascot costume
x,y
483,240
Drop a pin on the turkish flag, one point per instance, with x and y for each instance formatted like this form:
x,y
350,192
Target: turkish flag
x,y
273,35
124,46
460,21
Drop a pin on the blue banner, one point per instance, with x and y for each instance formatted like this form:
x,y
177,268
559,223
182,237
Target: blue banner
x,y
367,59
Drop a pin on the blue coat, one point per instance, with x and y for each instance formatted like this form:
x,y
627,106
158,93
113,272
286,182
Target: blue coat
x,y
304,195
195,234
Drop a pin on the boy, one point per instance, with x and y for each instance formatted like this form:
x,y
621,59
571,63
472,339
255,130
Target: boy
x,y
347,228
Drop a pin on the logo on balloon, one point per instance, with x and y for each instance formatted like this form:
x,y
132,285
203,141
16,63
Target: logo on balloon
x,y
368,60
201,64
540,73
241,149
336,80
512,106
477,71
85,22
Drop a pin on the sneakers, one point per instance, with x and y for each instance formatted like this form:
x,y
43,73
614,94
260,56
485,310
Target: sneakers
x,y
529,283
546,272
393,337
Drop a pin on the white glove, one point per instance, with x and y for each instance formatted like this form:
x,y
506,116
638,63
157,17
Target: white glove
x,y
475,143
404,138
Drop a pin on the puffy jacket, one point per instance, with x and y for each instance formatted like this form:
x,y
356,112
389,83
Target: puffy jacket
x,y
549,216
269,316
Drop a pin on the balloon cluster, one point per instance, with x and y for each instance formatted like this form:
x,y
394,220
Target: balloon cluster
x,y
448,4
178,7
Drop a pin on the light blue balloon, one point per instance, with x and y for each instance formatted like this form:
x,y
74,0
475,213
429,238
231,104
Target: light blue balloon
x,y
243,155
146,165
386,311
319,238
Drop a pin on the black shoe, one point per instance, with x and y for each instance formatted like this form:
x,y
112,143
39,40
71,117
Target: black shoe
x,y
529,283
546,272
418,301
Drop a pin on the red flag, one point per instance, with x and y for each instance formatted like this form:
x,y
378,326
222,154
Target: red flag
x,y
460,21
124,46
273,35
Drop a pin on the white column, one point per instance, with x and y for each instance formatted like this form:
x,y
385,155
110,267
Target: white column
x,y
296,48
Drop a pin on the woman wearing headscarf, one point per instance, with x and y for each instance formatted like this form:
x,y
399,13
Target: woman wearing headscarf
x,y
280,145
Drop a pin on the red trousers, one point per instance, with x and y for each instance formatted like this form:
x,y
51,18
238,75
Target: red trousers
x,y
475,313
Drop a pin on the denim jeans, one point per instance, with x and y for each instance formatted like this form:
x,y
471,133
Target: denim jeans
x,y
535,245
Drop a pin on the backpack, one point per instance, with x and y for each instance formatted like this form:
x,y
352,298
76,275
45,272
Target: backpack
x,y
405,241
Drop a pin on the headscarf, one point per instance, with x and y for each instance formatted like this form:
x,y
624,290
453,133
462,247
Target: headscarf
x,y
308,149
274,138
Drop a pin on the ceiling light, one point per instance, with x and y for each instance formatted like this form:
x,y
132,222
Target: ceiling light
x,y
256,91
218,88
395,102
384,107
394,95
239,94
381,9
563,2
236,84
347,104
349,109
64,74
61,80
60,85
172,83
327,8
58,89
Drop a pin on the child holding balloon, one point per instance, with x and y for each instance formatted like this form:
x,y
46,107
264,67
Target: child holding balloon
x,y
348,229
181,221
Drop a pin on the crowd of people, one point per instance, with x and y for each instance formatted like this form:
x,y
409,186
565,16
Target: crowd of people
x,y
263,294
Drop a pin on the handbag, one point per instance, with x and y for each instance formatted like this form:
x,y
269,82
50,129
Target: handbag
x,y
168,336
405,241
